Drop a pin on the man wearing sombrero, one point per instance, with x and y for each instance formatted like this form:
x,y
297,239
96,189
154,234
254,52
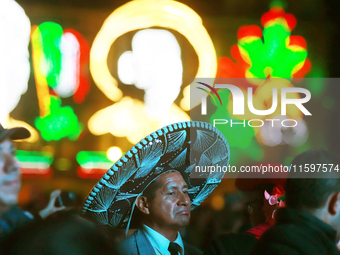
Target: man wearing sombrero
x,y
159,176
11,215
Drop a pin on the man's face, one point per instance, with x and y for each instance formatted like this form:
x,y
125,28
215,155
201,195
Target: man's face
x,y
171,204
10,174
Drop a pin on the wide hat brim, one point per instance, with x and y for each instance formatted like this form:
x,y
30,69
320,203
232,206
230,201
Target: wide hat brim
x,y
14,133
181,146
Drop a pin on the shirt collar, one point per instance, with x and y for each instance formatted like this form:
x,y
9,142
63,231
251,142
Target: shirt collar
x,y
159,242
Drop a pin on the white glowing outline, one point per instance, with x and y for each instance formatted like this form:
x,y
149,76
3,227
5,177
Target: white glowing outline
x,y
140,14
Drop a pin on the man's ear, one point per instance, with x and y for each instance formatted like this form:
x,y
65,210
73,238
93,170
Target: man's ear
x,y
334,203
142,204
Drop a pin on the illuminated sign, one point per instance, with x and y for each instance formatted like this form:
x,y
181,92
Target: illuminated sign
x,y
15,30
35,164
278,54
60,122
92,164
58,58
130,120
264,54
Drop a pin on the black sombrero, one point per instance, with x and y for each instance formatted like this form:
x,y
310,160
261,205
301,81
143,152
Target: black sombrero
x,y
14,133
180,146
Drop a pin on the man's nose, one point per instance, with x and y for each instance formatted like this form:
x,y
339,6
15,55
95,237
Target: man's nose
x,y
183,198
11,165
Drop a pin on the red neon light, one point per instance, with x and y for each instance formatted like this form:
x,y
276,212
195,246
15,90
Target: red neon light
x,y
84,81
303,71
29,173
249,31
297,40
278,13
94,173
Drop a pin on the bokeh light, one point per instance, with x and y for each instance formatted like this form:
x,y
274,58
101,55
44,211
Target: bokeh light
x,y
114,153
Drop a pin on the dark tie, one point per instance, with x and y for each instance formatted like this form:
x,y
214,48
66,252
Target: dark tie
x,y
174,248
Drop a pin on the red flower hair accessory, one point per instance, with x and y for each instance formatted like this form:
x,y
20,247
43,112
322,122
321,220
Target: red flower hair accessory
x,y
276,198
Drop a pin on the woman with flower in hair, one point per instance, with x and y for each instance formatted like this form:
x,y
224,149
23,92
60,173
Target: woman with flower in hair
x,y
262,194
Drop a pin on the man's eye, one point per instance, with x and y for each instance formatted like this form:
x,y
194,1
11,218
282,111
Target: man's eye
x,y
171,193
185,191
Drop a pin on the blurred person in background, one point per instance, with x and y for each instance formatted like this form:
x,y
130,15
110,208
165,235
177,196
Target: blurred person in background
x,y
11,215
262,194
66,233
310,222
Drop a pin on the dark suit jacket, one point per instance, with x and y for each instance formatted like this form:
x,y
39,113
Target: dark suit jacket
x,y
13,219
231,244
297,233
139,244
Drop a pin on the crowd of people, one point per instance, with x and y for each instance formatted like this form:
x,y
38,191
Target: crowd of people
x,y
146,199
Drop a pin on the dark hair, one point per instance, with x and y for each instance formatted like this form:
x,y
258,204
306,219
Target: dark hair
x,y
312,193
261,188
150,191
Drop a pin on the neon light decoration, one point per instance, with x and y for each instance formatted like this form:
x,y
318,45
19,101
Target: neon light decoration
x,y
92,164
127,118
15,30
155,54
271,53
35,164
114,153
227,68
60,122
58,58
137,15
280,54
142,14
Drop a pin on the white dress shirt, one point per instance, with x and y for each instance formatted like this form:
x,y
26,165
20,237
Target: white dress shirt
x,y
160,243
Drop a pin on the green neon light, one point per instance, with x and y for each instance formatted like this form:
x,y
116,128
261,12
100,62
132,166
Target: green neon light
x,y
34,157
61,122
86,157
317,86
272,57
280,3
50,36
